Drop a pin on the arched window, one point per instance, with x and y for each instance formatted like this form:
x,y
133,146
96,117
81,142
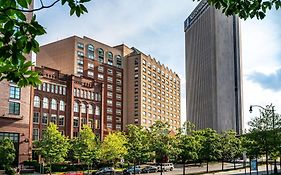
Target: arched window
x,y
54,104
76,107
118,61
91,109
101,55
109,58
45,103
97,111
36,101
91,51
62,106
83,108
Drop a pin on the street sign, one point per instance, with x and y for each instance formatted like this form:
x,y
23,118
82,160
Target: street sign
x,y
254,164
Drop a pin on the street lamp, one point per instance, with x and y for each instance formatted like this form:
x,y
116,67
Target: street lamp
x,y
273,124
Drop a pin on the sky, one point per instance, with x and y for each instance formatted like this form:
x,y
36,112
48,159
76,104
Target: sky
x,y
156,28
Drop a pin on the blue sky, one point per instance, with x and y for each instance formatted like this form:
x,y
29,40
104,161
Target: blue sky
x,y
156,28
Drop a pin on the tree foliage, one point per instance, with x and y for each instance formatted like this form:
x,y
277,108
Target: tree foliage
x,y
113,148
7,152
230,145
18,38
246,8
85,146
53,147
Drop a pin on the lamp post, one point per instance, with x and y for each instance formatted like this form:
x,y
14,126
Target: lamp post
x,y
273,125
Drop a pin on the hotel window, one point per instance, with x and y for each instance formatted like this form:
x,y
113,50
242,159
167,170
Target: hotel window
x,y
48,87
84,121
109,94
56,89
90,65
109,118
110,58
118,89
14,92
109,87
118,82
100,76
118,127
36,116
83,108
109,102
39,87
35,135
91,109
118,112
118,119
52,88
91,123
80,54
110,71
36,102
118,96
118,61
91,51
62,106
44,87
75,122
118,104
54,118
80,70
109,110
90,73
97,110
64,90
76,107
118,74
100,68
143,62
80,45
61,120
45,119
45,103
54,104
60,90
109,125
109,79
101,55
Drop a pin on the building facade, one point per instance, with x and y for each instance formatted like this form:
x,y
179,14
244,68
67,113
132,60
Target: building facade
x,y
152,91
213,69
68,101
15,110
87,58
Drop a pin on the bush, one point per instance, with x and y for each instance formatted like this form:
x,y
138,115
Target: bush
x,y
10,171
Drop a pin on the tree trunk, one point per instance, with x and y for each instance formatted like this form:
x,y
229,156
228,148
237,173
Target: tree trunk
x,y
266,155
183,167
134,166
207,166
234,164
250,167
50,169
222,168
257,166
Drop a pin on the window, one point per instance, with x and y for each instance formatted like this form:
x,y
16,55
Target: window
x,y
119,74
109,94
90,73
91,52
118,89
61,120
97,111
36,117
52,88
119,82
118,61
54,118
101,55
110,71
118,96
45,119
109,79
76,107
109,102
118,104
118,127
75,122
109,125
35,135
45,103
80,70
48,87
100,76
109,87
118,119
118,111
100,69
83,108
54,104
109,110
110,58
62,106
91,109
91,123
14,92
80,45
56,89
109,118
36,102
97,124
84,121
80,54
90,65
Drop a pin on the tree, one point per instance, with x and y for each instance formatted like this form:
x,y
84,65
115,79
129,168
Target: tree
x,y
53,147
210,145
18,38
230,146
247,8
113,148
85,146
7,153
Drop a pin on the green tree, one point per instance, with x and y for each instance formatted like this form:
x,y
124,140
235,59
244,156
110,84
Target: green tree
x,y
18,38
7,153
210,145
113,148
138,144
231,147
246,8
85,146
53,147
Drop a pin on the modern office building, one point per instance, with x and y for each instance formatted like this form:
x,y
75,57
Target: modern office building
x,y
152,90
68,101
87,58
213,69
15,110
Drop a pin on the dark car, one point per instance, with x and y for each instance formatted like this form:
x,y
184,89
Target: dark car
x,y
150,169
105,171
131,170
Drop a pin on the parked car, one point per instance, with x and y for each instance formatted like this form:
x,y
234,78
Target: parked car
x,y
150,169
131,169
165,167
105,171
